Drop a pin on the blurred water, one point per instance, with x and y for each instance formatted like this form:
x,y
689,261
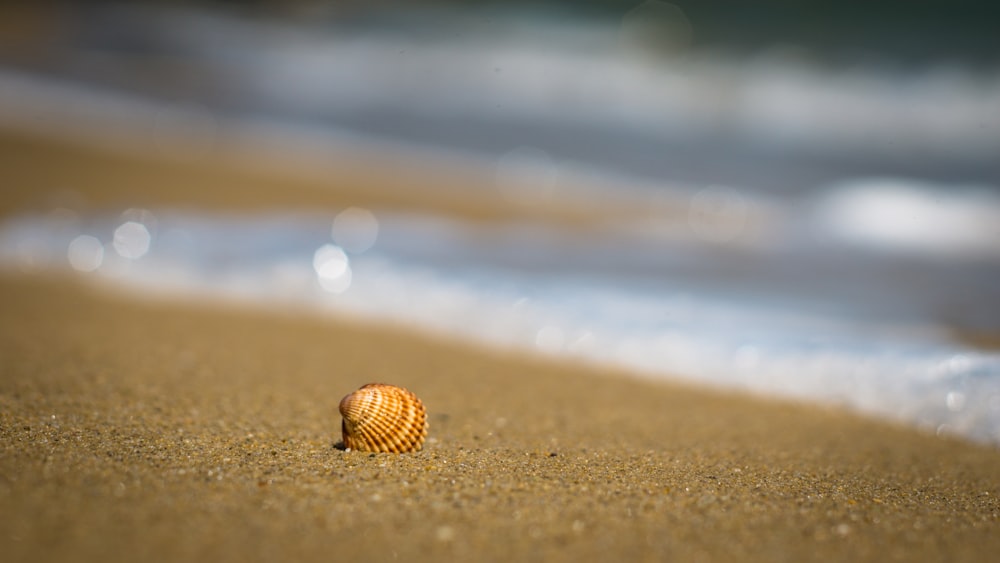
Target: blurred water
x,y
624,94
805,231
877,346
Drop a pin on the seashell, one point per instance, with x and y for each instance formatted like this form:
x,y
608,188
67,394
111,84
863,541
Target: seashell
x,y
383,418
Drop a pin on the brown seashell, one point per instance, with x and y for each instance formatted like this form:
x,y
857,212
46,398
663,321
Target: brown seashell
x,y
383,418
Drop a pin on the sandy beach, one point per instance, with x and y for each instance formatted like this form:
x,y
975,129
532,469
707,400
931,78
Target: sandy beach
x,y
150,430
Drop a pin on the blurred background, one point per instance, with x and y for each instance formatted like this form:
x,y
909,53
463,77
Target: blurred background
x,y
781,96
797,198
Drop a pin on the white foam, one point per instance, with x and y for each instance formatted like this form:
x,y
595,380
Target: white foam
x,y
899,215
416,275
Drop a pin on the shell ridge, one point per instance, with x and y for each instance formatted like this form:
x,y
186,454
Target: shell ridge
x,y
383,418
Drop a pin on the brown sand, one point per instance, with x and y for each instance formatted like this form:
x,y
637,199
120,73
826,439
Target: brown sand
x,y
241,177
135,430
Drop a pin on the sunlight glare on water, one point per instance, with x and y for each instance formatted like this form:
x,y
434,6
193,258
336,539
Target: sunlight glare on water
x,y
85,253
133,237
132,240
333,268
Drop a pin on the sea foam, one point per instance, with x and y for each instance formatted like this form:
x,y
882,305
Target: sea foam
x,y
466,282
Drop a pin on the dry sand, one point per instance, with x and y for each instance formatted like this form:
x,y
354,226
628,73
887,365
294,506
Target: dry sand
x,y
134,430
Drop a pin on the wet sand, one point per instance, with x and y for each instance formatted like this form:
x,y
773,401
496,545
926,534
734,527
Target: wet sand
x,y
147,430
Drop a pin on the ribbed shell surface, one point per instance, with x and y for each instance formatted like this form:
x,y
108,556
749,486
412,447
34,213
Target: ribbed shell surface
x,y
383,418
